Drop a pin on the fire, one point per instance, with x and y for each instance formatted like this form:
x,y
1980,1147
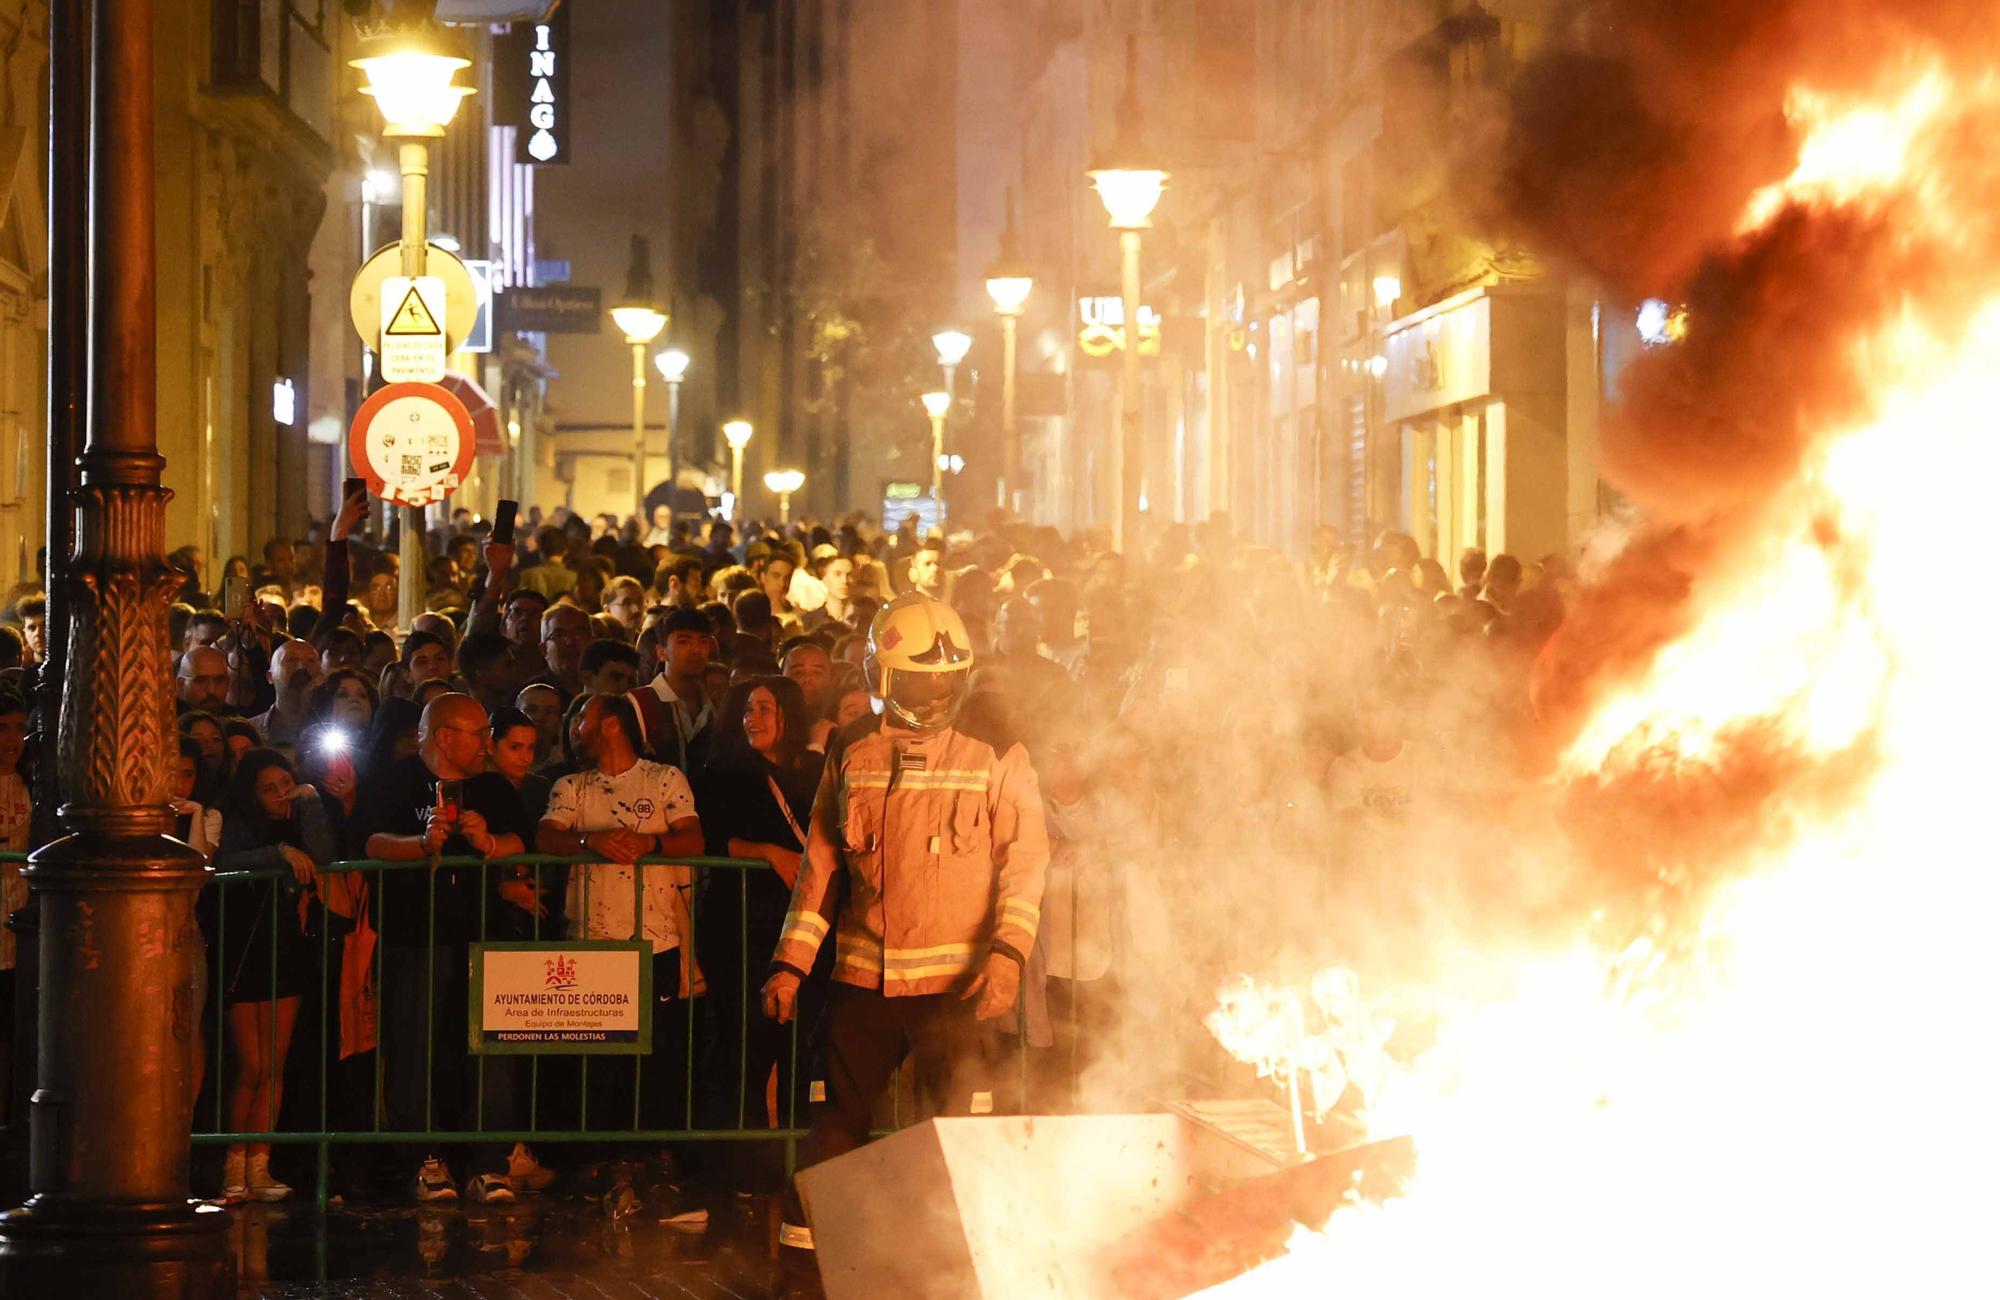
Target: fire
x,y
1799,1101
1851,148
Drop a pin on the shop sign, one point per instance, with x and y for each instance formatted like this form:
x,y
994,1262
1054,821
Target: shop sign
x,y
1101,328
579,995
902,501
548,309
1439,360
531,88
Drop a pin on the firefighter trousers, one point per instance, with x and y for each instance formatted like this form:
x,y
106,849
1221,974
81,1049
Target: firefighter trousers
x,y
863,1036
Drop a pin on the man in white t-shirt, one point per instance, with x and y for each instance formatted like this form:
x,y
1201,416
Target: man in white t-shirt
x,y
620,808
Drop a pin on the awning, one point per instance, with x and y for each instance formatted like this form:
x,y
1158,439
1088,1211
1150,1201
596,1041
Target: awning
x,y
488,438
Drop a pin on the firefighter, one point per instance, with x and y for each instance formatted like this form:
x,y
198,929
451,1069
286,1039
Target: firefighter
x,y
938,832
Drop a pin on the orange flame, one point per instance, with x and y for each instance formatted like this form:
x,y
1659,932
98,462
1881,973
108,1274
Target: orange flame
x,y
1806,1106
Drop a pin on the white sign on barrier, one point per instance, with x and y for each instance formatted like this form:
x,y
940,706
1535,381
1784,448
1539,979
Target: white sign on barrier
x,y
569,996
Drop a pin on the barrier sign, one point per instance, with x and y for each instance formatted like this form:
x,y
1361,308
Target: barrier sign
x,y
579,995
414,443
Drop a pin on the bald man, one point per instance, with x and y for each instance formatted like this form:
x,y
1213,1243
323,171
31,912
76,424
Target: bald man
x,y
203,683
295,670
441,802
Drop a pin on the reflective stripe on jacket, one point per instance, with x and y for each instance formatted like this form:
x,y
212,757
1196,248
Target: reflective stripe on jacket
x,y
941,839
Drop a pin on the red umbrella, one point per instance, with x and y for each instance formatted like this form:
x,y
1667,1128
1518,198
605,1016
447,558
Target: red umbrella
x,y
488,439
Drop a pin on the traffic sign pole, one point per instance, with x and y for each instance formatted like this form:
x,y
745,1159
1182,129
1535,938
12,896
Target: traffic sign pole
x,y
414,158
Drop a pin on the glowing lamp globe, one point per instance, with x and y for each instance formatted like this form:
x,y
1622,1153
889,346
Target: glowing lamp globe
x,y
937,403
642,324
784,481
673,364
737,434
412,86
1130,194
1009,293
951,345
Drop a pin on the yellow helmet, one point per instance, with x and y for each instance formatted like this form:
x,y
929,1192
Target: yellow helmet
x,y
919,661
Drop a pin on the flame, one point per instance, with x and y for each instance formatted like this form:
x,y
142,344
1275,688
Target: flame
x,y
1800,1102
1853,149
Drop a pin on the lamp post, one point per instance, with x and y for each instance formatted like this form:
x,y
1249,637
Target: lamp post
x,y
119,1013
737,434
1129,182
641,323
673,367
784,482
937,405
410,76
1008,284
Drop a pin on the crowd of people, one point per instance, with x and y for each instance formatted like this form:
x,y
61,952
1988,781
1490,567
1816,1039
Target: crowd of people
x,y
607,690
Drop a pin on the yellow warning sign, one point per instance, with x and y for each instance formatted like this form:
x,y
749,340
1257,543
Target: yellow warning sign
x,y
413,316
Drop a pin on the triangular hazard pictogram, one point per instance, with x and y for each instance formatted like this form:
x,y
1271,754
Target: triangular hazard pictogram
x,y
413,316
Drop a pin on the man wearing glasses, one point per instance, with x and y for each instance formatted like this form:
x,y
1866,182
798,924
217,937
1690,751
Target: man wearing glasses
x,y
441,802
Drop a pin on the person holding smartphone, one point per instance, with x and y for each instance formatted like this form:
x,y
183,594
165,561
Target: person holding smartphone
x,y
441,803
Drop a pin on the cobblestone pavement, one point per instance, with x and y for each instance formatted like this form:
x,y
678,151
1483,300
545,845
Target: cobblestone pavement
x,y
550,1248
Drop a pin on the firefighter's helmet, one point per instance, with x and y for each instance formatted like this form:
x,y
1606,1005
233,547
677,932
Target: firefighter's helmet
x,y
919,661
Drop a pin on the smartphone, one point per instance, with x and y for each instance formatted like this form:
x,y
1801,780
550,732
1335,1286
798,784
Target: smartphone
x,y
503,521
448,795
351,486
235,595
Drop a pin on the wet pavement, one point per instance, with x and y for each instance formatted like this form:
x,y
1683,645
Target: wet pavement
x,y
543,1247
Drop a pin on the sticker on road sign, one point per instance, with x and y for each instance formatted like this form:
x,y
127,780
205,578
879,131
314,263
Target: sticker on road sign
x,y
412,341
412,442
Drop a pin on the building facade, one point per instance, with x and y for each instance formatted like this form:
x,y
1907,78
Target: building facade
x,y
1334,342
24,58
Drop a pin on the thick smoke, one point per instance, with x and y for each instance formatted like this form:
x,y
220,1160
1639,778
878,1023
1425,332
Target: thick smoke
x,y
1633,149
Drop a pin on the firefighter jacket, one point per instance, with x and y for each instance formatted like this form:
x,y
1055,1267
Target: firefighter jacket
x,y
938,842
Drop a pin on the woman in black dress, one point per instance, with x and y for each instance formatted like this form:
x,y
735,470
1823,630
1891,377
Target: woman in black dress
x,y
755,798
275,827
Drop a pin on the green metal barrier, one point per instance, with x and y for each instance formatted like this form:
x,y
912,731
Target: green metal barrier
x,y
216,1130
229,911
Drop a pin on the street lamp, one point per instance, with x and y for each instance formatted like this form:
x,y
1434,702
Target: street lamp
x,y
642,322
673,365
737,434
1130,184
410,77
784,482
1008,284
937,405
951,345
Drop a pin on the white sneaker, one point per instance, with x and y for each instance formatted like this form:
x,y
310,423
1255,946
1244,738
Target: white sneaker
x,y
489,1189
525,1173
434,1182
262,1186
235,1188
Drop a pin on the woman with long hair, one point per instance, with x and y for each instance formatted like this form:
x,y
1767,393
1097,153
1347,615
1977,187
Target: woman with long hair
x,y
755,797
276,827
346,699
339,712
